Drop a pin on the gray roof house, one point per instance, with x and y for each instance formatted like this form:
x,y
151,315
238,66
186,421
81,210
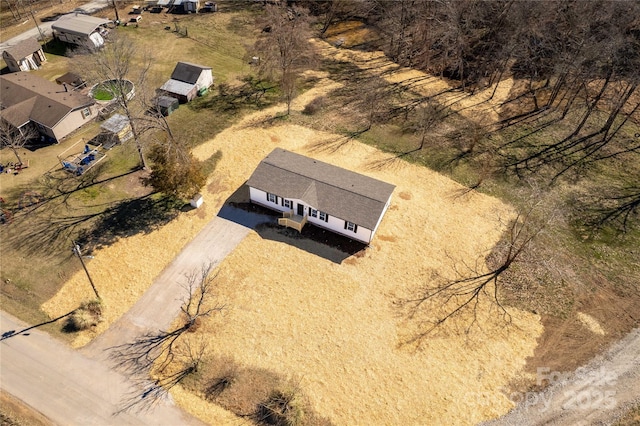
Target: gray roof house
x,y
187,81
311,191
25,55
81,30
26,99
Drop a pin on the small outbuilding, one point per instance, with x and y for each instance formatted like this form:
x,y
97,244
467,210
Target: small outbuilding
x,y
165,105
187,81
116,129
311,191
26,55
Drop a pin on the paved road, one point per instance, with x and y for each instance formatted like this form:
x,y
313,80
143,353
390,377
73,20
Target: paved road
x,y
79,387
595,394
88,8
68,387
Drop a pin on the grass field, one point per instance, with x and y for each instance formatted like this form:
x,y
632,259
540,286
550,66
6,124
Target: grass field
x,y
76,205
331,328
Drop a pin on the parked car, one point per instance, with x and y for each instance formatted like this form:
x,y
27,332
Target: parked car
x,y
135,19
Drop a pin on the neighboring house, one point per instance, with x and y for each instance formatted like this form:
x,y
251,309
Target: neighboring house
x,y
26,55
26,99
307,190
180,6
187,81
81,30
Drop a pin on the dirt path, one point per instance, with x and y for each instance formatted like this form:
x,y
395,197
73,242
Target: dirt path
x,y
598,393
68,387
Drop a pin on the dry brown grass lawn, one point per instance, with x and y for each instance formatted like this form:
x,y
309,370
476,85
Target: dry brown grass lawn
x,y
333,327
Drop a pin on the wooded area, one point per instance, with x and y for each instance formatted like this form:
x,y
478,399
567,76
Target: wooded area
x,y
575,65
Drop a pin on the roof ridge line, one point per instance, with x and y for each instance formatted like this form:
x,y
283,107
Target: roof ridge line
x,y
329,184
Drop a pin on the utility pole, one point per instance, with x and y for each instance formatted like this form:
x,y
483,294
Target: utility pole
x,y
77,252
37,26
115,7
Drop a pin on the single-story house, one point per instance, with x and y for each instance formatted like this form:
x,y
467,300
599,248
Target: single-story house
x,y
187,81
117,129
308,190
81,30
55,111
165,105
26,55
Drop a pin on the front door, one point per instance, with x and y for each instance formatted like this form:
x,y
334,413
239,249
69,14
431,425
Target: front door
x,y
300,209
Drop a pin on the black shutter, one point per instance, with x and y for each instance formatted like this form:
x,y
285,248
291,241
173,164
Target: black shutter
x,y
345,224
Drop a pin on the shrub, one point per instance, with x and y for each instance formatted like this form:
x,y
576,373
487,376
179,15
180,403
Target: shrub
x,y
88,315
262,395
282,408
221,377
315,105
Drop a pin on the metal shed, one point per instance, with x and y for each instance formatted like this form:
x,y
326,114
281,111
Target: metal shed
x,y
166,105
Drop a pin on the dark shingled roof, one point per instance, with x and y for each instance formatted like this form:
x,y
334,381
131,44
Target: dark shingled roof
x,y
27,96
23,48
187,72
339,192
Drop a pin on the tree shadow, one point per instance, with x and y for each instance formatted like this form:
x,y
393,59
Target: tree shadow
x,y
92,226
131,217
252,93
25,331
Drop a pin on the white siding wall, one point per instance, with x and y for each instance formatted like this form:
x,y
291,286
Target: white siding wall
x,y
204,80
77,39
333,223
336,225
260,197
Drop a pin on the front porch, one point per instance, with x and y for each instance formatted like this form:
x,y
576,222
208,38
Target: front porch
x,y
291,220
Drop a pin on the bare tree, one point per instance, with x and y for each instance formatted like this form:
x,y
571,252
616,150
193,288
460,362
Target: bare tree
x,y
158,361
157,350
118,61
615,207
428,116
451,298
15,138
285,49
